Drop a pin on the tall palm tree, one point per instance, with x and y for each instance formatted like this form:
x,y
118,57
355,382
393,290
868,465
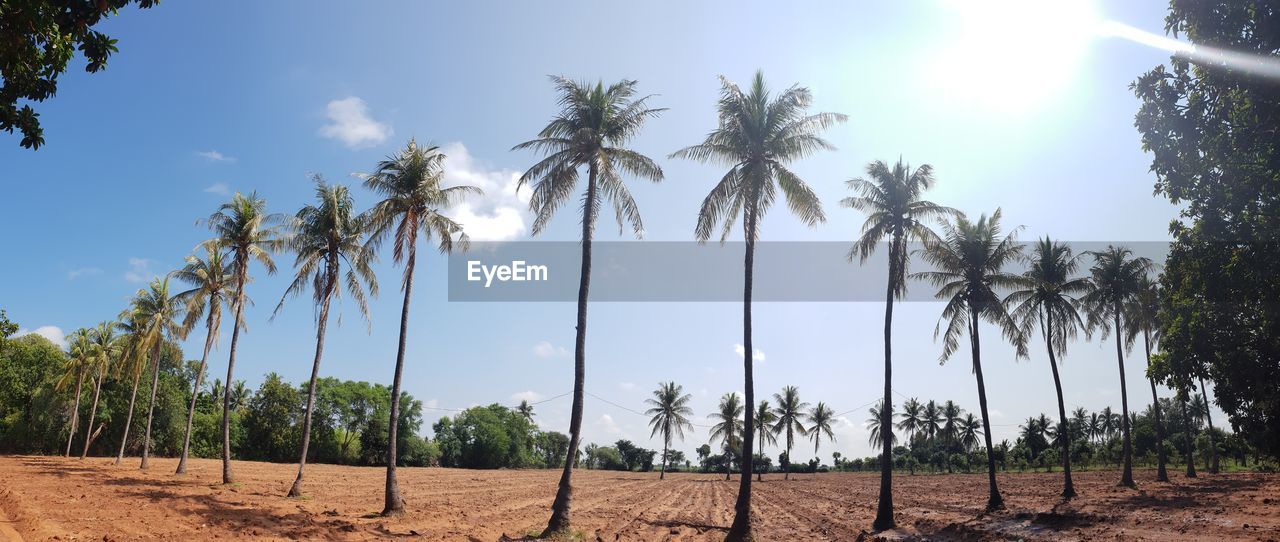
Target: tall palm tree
x,y
728,428
950,425
968,265
594,125
1110,422
790,420
211,289
243,228
669,415
931,419
1183,393
1050,299
1115,279
414,204
135,352
525,410
103,352
874,425
1094,428
820,419
1142,311
326,237
757,136
78,359
891,200
909,420
764,418
164,315
967,433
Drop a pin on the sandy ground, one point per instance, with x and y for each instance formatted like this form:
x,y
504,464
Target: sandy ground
x,y
51,498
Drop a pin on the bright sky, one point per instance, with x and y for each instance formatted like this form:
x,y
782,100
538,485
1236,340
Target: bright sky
x,y
1023,109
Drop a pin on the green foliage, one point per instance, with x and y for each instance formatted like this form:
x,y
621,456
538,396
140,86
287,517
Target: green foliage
x,y
489,437
271,421
40,38
31,413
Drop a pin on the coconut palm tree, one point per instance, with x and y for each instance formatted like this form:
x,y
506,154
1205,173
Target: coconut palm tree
x,y
1187,424
594,125
78,360
909,420
1142,310
764,418
757,136
790,421
891,199
1213,433
525,410
1115,279
968,266
669,415
134,352
211,289
874,425
1050,300
820,419
931,419
968,430
248,233
415,200
164,315
104,349
1110,422
325,237
1094,428
728,428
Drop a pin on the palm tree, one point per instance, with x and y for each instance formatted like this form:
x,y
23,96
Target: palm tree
x,y
891,200
790,420
211,289
950,425
969,264
414,203
243,228
134,357
968,432
1094,428
1116,279
1213,433
757,136
931,419
590,131
1110,422
525,410
820,419
874,425
103,350
164,314
1050,299
78,360
325,236
1142,311
669,415
1183,393
909,420
728,428
764,418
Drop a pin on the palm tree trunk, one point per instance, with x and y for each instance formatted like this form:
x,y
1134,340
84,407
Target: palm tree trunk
x,y
665,446
1213,437
562,507
331,280
994,501
195,392
1126,476
760,450
242,270
93,413
786,467
741,528
75,413
1068,489
1162,457
884,511
128,421
151,409
394,504
1191,449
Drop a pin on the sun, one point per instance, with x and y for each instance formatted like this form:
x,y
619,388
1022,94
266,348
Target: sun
x,y
1011,56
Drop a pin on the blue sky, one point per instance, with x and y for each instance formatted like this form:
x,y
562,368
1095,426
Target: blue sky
x,y
1019,110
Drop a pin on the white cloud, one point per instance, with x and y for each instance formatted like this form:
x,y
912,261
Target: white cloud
x,y
546,350
82,272
629,386
350,123
53,333
742,351
432,403
139,270
608,425
529,396
220,189
215,156
498,215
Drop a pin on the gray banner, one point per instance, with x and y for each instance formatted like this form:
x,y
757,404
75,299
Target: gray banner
x,y
677,271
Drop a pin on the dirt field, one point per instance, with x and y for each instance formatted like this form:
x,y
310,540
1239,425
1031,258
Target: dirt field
x,y
47,498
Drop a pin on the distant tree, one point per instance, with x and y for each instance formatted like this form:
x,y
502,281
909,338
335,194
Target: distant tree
x,y
41,37
525,410
874,426
271,420
211,289
790,415
1143,313
765,419
594,125
820,419
7,329
78,360
669,415
552,445
728,426
757,136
